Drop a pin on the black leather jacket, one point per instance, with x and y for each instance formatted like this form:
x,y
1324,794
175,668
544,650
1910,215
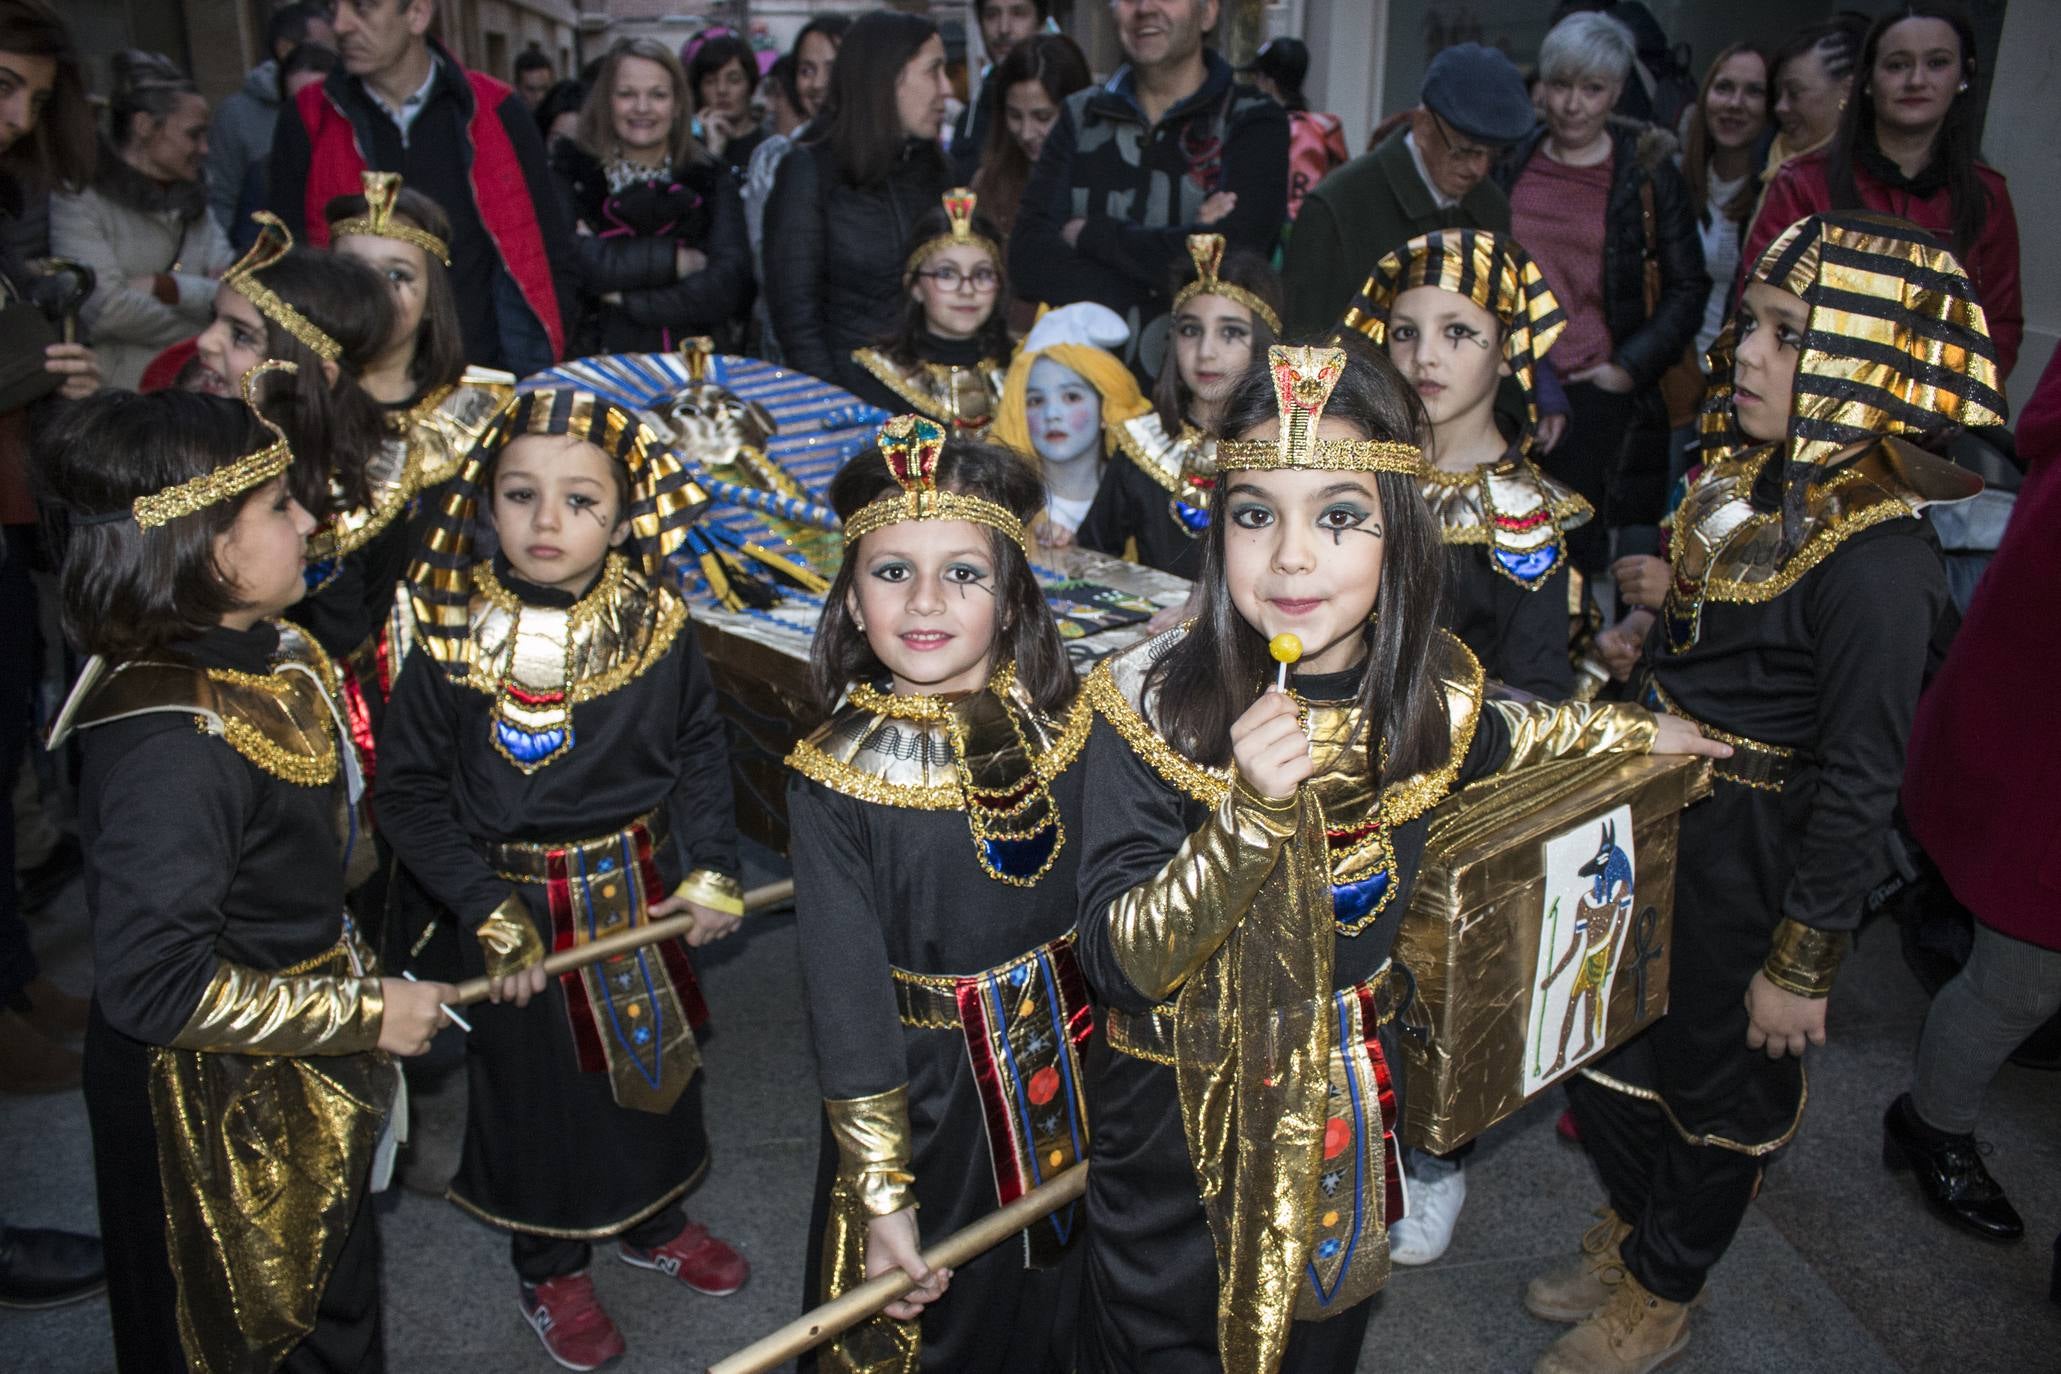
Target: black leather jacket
x,y
834,255
1645,346
630,251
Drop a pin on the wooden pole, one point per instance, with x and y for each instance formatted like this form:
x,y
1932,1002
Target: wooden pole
x,y
622,942
848,1309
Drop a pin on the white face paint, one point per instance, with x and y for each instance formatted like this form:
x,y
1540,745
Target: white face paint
x,y
1064,413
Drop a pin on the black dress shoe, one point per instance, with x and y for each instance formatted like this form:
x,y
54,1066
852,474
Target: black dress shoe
x,y
48,1268
1950,1173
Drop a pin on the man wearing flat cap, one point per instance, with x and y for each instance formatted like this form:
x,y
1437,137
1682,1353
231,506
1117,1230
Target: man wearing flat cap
x,y
1432,175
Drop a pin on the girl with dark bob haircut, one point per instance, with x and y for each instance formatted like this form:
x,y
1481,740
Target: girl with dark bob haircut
x,y
944,788
1247,854
215,876
127,592
840,654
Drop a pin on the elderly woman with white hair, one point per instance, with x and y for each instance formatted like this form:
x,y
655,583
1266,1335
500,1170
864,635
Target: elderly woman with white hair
x,y
1599,204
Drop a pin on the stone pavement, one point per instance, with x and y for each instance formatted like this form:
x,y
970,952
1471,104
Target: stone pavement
x,y
1839,1267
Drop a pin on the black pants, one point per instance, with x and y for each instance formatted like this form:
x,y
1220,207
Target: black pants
x,y
1618,466
540,1258
142,1294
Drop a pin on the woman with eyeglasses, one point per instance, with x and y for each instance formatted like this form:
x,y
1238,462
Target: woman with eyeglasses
x,y
946,357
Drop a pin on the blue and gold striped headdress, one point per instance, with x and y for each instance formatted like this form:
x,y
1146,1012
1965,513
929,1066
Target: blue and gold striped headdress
x,y
1494,273
1894,343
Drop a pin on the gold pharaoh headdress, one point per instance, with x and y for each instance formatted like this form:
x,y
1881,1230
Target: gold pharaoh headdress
x,y
1303,379
1895,341
231,479
959,204
910,445
664,503
382,189
1208,252
1495,273
275,241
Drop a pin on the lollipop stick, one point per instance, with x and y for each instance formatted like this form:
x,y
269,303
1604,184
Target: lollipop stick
x,y
1281,679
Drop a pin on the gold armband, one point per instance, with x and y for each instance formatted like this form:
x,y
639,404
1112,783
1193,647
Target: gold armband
x,y
510,938
1541,731
873,1149
248,1011
1167,927
716,891
1803,959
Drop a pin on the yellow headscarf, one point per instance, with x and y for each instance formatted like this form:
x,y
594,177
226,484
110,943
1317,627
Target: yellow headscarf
x,y
1078,338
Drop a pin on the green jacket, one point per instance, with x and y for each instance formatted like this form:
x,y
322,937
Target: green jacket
x,y
1373,204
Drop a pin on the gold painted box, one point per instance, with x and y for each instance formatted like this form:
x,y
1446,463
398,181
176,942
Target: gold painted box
x,y
1538,933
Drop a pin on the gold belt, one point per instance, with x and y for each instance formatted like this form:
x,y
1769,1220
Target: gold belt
x,y
1149,1035
1763,767
930,1001
531,863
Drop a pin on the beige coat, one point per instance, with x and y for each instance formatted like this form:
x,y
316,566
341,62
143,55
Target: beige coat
x,y
125,226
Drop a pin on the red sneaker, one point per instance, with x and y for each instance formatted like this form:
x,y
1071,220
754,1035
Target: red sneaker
x,y
695,1258
568,1319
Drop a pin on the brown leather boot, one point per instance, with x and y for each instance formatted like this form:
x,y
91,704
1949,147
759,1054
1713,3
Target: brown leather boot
x,y
54,1011
1633,1332
1576,1287
30,1061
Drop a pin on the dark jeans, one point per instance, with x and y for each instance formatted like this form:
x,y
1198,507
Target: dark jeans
x,y
539,1258
18,661
1617,467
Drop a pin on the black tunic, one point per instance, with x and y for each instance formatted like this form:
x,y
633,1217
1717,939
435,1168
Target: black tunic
x,y
880,887
1149,1295
1518,633
547,1149
194,854
1131,505
1831,667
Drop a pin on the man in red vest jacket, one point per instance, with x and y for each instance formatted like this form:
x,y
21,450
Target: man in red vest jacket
x,y
401,103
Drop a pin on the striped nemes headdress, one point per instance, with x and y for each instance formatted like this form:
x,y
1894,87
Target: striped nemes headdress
x,y
665,500
1894,343
1494,273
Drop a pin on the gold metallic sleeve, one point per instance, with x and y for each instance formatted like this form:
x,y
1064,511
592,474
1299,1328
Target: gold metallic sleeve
x,y
510,938
247,1011
716,891
873,1148
1167,927
1803,959
1541,731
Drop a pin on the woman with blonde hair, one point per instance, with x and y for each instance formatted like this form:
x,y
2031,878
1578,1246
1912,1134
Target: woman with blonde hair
x,y
661,244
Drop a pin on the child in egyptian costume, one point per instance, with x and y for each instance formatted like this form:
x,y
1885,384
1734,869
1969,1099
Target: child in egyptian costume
x,y
1247,855
946,358
1805,594
1155,503
1459,310
1063,403
237,1068
436,406
934,863
553,771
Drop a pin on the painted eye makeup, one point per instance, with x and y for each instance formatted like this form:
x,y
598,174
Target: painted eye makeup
x,y
1252,517
894,571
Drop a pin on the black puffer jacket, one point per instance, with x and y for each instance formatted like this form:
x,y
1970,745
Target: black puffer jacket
x,y
1645,347
630,251
834,255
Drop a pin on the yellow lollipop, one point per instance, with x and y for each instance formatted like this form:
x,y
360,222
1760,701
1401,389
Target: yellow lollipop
x,y
1286,649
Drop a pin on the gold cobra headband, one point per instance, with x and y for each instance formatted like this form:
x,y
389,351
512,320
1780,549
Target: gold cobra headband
x,y
959,205
382,189
275,241
231,479
1303,379
910,445
1208,252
